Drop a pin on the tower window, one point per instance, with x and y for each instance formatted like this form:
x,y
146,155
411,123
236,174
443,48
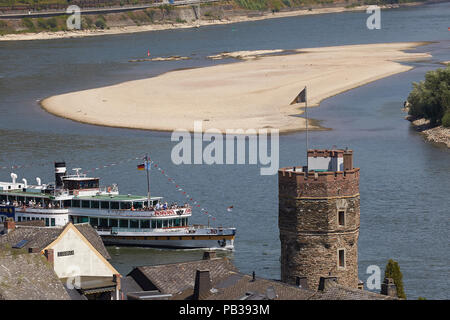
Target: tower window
x,y
341,254
341,218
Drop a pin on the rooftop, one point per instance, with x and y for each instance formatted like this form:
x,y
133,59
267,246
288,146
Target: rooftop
x,y
27,276
177,277
227,283
40,237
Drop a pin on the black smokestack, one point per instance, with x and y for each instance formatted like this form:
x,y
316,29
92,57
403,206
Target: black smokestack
x,y
60,171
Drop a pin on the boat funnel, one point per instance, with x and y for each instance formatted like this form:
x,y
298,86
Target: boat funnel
x,y
38,181
25,182
13,177
60,172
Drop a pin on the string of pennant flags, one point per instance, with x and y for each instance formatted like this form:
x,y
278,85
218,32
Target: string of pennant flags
x,y
179,188
151,164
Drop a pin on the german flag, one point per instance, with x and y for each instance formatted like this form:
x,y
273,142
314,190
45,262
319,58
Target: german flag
x,y
143,166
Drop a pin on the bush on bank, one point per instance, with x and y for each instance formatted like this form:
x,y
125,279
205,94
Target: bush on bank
x,y
430,98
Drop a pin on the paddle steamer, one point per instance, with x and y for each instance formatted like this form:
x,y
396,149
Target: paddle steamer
x,y
124,220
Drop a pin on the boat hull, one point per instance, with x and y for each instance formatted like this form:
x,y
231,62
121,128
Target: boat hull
x,y
218,242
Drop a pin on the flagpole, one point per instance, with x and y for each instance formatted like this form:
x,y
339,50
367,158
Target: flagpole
x,y
148,181
306,117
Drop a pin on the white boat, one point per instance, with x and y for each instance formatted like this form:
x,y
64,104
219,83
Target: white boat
x,y
123,220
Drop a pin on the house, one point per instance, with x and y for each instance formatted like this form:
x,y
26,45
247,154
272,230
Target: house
x,y
173,279
76,252
218,279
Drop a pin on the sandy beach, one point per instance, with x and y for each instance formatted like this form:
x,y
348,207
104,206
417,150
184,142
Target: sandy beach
x,y
193,24
254,93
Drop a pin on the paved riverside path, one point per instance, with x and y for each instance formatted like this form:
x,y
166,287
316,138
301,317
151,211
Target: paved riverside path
x,y
101,10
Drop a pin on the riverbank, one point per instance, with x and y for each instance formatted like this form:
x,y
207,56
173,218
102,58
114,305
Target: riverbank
x,y
438,135
251,94
180,18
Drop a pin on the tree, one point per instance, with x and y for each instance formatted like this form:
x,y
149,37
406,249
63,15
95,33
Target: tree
x,y
393,271
430,99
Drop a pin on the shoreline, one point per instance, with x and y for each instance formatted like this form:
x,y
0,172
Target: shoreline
x,y
249,94
437,135
188,25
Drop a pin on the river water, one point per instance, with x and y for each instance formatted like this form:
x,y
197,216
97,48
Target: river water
x,y
405,182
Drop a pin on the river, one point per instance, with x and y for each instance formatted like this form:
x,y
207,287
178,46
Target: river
x,y
405,182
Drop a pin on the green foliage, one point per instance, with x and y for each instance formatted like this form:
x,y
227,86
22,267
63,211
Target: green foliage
x,y
86,22
421,298
446,119
3,27
100,22
150,13
393,271
430,99
28,23
252,4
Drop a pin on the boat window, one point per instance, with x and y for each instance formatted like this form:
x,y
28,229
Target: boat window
x,y
19,218
154,224
145,224
159,223
177,222
165,223
85,204
134,223
125,205
83,219
114,205
123,223
137,205
93,221
105,205
67,203
94,204
52,220
76,203
113,223
47,222
22,199
103,222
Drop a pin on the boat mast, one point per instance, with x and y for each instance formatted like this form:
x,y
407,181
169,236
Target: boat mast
x,y
148,180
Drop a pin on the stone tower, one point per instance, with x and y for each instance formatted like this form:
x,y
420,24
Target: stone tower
x,y
319,219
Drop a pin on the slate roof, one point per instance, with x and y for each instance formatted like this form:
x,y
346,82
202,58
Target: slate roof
x,y
41,237
241,286
178,277
37,237
228,283
92,236
26,276
339,292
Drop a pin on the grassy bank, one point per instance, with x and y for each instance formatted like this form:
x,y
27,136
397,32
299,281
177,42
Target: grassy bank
x,y
159,15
